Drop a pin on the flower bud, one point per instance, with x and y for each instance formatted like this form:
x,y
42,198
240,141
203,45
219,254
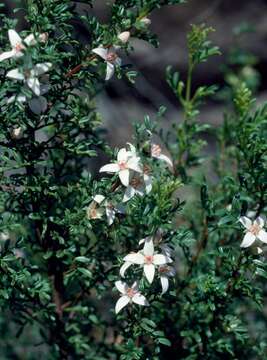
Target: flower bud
x,y
146,21
17,133
124,36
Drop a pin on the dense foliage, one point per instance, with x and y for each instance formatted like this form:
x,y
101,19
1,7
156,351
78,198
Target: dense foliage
x,y
166,219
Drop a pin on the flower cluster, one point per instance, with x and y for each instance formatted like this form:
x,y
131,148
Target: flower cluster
x,y
134,175
150,261
29,75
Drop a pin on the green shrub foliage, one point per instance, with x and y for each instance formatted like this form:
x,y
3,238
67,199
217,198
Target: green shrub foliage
x,y
148,258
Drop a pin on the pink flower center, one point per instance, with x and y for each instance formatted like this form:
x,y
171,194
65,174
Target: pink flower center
x,y
255,229
156,150
93,213
149,259
123,165
131,292
18,47
111,57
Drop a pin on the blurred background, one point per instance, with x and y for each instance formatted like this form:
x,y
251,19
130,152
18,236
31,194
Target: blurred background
x,y
239,25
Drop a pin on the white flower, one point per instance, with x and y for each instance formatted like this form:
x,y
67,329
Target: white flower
x,y
148,259
165,271
18,45
129,295
138,185
126,161
156,152
30,76
124,36
111,58
254,230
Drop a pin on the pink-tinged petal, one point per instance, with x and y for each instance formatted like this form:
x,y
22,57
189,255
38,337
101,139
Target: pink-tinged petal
x,y
7,55
30,40
129,193
121,303
102,52
34,85
260,221
148,183
15,74
40,69
149,247
110,168
262,235
109,71
135,258
123,155
160,259
246,222
14,38
121,286
99,198
124,267
149,270
139,299
166,159
248,240
110,212
134,164
124,176
164,284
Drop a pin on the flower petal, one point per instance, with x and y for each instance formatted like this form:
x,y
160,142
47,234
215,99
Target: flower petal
x,y
148,183
124,176
14,38
101,51
99,198
159,259
134,164
7,55
135,258
129,193
166,159
15,74
30,40
40,69
110,212
34,85
124,267
149,270
245,221
260,221
109,71
262,235
121,303
121,286
164,284
140,300
111,168
248,240
149,247
123,155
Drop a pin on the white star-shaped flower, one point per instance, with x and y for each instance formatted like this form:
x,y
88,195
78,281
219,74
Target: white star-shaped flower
x,y
126,161
111,59
30,77
94,211
165,271
156,152
18,45
129,295
148,259
99,207
254,230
